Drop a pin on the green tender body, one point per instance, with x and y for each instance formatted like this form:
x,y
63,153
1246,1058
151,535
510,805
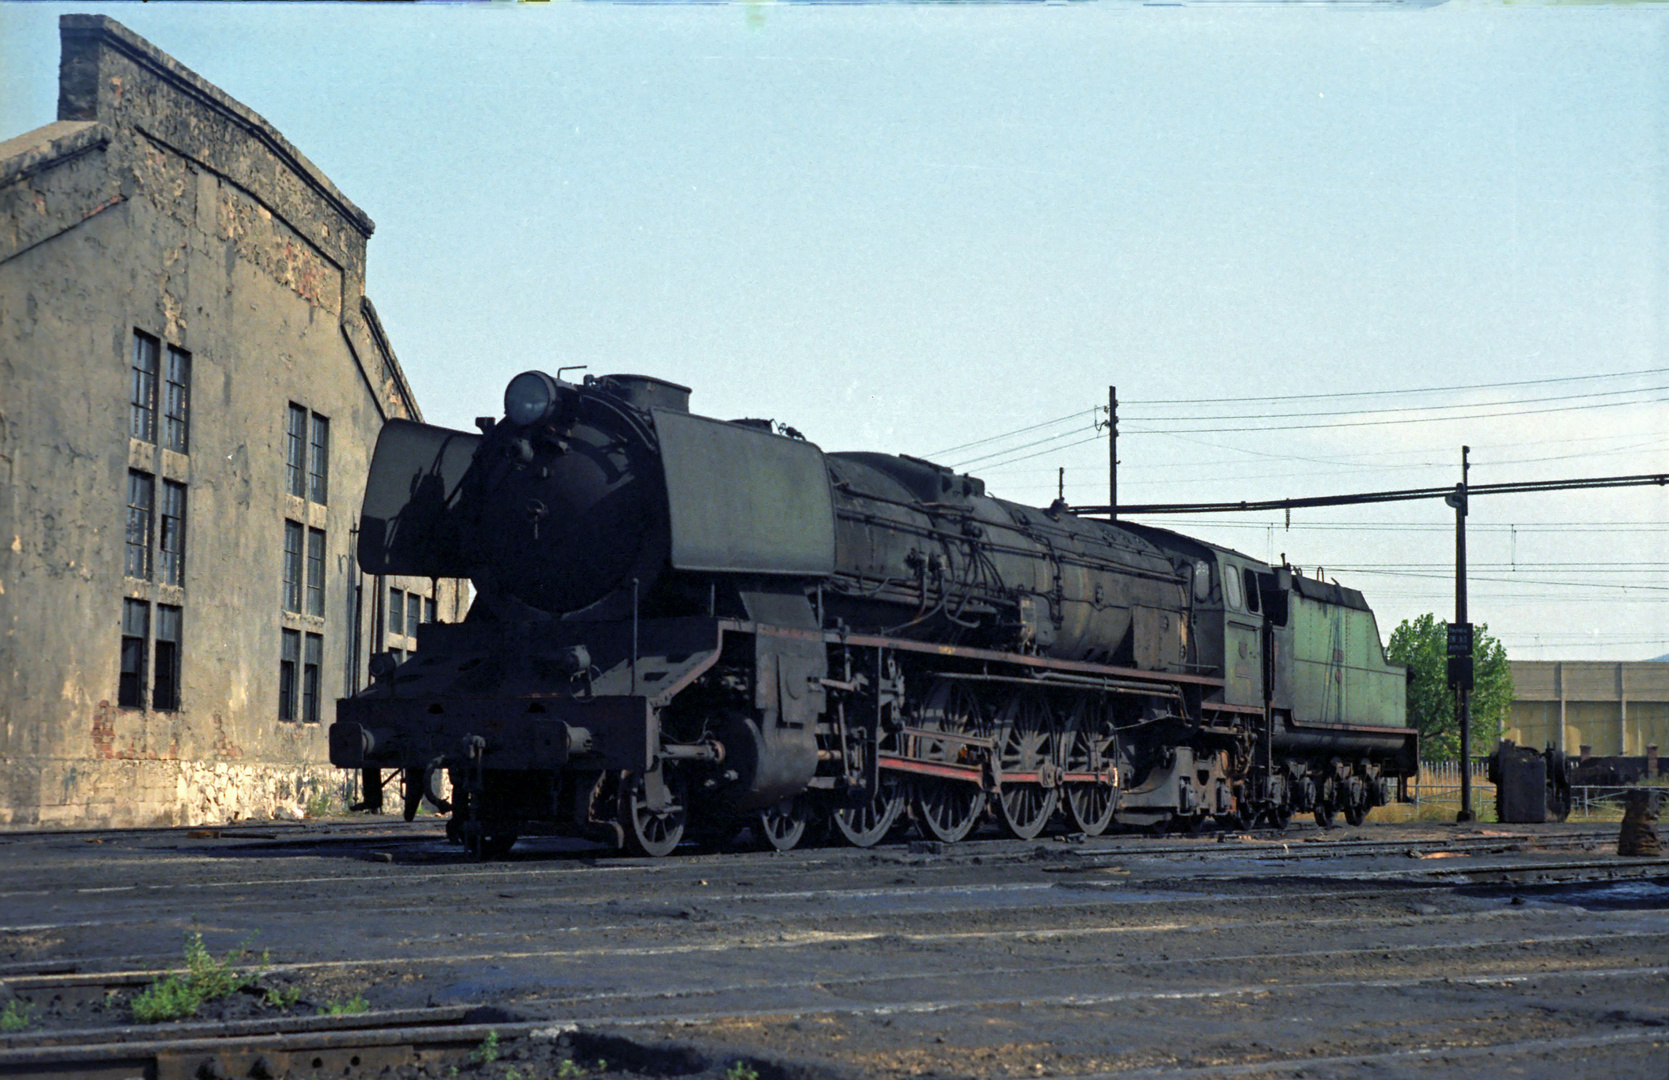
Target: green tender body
x,y
1339,671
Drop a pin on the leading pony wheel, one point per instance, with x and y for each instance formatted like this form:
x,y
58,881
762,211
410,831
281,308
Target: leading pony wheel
x,y
782,826
867,825
649,831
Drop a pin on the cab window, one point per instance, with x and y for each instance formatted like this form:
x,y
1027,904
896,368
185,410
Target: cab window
x,y
1231,588
1251,590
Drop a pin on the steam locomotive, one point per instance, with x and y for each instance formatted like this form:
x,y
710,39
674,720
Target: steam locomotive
x,y
686,627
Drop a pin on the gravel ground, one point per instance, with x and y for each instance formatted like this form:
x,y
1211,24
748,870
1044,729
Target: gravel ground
x,y
1385,951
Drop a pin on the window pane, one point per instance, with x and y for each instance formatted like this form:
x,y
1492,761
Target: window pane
x,y
295,452
289,660
396,612
310,678
318,464
172,543
176,402
142,388
292,566
412,611
166,692
136,627
429,610
316,572
141,503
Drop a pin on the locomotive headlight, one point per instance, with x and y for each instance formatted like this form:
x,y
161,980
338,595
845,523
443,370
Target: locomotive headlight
x,y
529,397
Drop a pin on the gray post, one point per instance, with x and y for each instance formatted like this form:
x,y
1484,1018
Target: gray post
x,y
1112,453
1463,710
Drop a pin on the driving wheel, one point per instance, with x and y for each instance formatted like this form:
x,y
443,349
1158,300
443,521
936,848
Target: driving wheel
x,y
1091,747
1028,742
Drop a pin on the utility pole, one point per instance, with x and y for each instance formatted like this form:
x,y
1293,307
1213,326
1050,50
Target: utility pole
x,y
1460,642
1112,453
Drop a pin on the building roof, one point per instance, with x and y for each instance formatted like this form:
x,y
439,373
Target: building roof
x,y
79,101
44,147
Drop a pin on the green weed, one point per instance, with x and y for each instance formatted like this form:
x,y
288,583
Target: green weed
x,y
568,1070
320,804
16,1016
487,1052
351,1007
283,998
512,1074
205,979
741,1070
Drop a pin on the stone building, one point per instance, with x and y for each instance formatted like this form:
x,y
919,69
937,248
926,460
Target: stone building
x,y
191,382
1613,708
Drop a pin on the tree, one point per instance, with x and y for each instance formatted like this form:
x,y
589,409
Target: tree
x,y
1423,645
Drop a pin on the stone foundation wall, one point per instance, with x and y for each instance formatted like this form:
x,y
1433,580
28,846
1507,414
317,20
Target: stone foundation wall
x,y
141,793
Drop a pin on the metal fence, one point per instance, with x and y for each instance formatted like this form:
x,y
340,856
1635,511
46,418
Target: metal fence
x,y
1438,785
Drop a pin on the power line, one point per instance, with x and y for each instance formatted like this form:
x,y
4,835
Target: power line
x,y
1016,431
1511,415
1409,408
1389,393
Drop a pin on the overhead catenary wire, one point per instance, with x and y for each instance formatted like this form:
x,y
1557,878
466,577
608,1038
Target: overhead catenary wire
x,y
1339,395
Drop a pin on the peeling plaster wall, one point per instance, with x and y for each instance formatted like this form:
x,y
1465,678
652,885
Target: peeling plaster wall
x,y
158,204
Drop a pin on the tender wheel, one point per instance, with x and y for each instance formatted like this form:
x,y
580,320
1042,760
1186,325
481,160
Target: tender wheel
x,y
783,826
1280,817
1355,814
1324,815
1029,742
652,832
946,810
866,826
1091,746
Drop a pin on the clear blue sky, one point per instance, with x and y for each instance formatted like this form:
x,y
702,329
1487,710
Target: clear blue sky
x,y
910,227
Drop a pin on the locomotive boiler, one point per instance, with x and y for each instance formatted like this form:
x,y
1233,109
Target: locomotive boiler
x,y
685,627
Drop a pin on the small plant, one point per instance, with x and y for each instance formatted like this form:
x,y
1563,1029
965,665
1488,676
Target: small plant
x,y
512,1074
569,1070
741,1070
319,804
351,1007
487,1052
205,979
16,1016
283,998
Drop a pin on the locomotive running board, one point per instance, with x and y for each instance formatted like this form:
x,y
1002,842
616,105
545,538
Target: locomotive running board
x,y
968,652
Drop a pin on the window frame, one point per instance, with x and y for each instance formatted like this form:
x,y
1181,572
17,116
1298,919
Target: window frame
x,y
318,460
171,536
142,387
176,406
314,577
1232,596
295,571
140,516
312,676
295,451
165,677
289,663
136,629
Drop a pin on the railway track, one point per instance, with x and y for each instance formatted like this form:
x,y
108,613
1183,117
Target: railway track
x,y
1383,949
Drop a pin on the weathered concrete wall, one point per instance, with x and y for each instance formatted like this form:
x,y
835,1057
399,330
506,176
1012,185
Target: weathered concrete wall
x,y
1611,707
157,204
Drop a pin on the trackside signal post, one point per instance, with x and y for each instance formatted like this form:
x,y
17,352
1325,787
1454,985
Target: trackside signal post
x,y
1460,643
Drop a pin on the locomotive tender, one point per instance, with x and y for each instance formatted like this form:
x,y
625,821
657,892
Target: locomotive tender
x,y
684,626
